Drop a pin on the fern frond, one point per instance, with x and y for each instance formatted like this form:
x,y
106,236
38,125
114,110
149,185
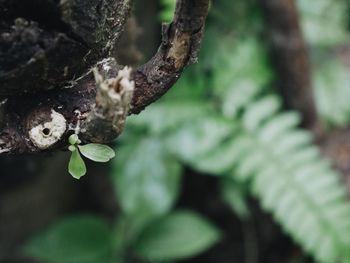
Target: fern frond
x,y
332,91
252,142
289,177
286,172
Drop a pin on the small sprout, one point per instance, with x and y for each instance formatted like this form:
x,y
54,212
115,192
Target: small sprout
x,y
93,151
73,139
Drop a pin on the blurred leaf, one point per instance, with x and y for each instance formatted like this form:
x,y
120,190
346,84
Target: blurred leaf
x,y
76,166
191,87
79,239
246,15
260,111
324,22
168,10
278,126
217,161
146,178
235,99
97,152
201,136
235,194
332,92
180,235
162,117
247,62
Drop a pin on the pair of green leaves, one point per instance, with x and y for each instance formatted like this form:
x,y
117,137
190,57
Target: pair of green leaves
x,y
93,151
89,239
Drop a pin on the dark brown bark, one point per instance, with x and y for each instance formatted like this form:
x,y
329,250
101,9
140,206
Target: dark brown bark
x,y
180,46
290,56
84,107
46,44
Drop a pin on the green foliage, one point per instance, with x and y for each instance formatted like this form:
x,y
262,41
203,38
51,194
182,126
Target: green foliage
x,y
168,10
147,178
177,236
325,29
294,183
93,151
234,194
332,91
223,119
283,169
79,239
324,23
76,166
255,147
97,152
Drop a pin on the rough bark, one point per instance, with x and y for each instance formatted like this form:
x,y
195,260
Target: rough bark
x,y
290,56
56,104
45,44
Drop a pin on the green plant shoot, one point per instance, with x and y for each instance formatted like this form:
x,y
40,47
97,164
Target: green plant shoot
x,y
93,151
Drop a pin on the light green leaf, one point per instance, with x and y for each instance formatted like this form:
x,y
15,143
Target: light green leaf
x,y
199,137
180,235
76,167
79,239
324,22
260,111
146,178
247,65
162,117
235,195
332,92
97,152
220,160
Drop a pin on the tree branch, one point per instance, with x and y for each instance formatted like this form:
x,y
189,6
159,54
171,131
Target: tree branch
x,y
97,103
180,45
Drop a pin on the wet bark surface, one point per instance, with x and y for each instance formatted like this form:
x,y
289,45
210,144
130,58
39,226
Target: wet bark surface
x,y
45,44
48,66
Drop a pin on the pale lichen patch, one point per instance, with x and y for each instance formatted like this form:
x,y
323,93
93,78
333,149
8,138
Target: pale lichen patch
x,y
115,94
47,134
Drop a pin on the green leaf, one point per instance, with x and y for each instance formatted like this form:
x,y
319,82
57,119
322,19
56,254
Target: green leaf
x,y
247,64
331,80
168,10
259,111
324,22
180,235
78,239
146,178
198,137
76,167
162,117
97,152
235,195
217,161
